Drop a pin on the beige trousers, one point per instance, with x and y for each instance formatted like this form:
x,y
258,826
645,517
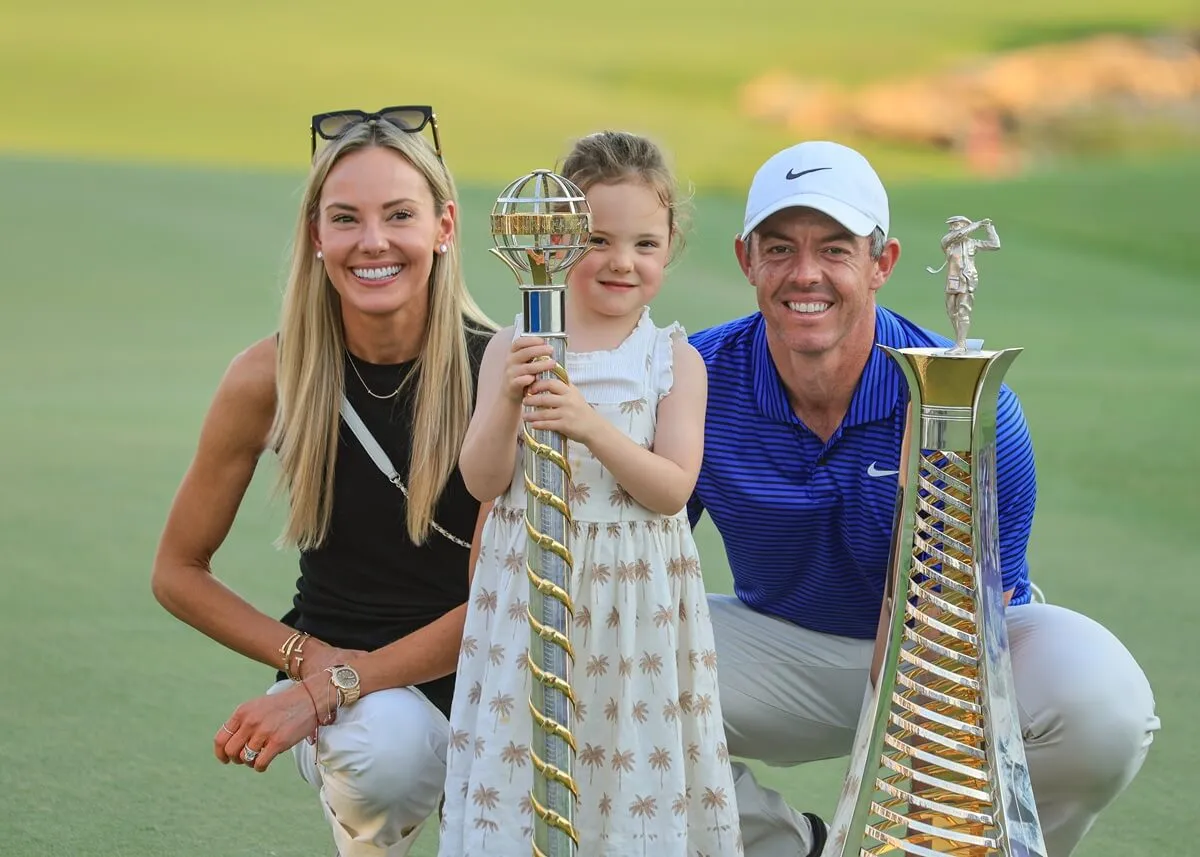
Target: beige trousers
x,y
379,770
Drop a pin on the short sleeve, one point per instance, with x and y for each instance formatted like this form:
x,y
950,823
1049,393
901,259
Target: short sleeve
x,y
662,358
1016,493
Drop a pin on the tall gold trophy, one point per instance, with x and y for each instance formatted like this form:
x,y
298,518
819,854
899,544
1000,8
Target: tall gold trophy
x,y
938,767
540,225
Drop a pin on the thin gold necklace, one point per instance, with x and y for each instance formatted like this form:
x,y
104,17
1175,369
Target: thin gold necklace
x,y
371,392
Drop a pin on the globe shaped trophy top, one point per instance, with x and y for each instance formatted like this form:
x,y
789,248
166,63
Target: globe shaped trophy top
x,y
540,226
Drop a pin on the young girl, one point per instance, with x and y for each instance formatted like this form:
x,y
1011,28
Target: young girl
x,y
652,764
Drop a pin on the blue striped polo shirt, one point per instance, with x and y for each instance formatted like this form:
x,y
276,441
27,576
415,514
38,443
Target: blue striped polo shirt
x,y
807,525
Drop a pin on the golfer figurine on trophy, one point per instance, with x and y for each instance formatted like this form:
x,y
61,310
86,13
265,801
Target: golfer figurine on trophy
x,y
961,276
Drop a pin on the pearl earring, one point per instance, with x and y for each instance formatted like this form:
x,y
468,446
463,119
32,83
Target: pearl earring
x,y
442,248
320,255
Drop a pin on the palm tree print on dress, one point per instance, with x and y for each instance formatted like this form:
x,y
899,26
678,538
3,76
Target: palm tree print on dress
x,y
605,807
651,665
714,799
593,756
486,601
515,756
625,667
620,497
664,616
583,619
501,706
597,666
468,646
660,760
644,808
622,763
519,616
486,798
682,800
577,492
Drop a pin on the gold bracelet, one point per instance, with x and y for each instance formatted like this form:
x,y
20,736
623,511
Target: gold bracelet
x,y
296,655
285,651
293,647
287,644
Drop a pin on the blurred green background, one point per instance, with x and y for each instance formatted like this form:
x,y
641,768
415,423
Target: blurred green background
x,y
151,160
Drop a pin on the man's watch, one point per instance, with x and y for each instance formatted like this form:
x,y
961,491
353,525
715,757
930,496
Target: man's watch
x,y
345,679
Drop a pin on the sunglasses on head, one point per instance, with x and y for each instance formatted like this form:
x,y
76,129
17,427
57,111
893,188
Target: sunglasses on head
x,y
411,119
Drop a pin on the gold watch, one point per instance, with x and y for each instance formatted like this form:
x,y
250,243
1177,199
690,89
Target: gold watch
x,y
345,679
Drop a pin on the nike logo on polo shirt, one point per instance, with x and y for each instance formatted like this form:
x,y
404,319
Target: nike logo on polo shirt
x,y
874,471
793,175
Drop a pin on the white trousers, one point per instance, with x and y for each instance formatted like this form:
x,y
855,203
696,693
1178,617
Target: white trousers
x,y
791,695
379,770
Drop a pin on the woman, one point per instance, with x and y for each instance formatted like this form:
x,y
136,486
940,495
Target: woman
x,y
376,312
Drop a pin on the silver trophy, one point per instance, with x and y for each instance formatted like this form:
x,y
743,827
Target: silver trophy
x,y
938,765
540,225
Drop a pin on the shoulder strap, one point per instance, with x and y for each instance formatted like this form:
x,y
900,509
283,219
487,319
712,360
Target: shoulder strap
x,y
375,451
371,445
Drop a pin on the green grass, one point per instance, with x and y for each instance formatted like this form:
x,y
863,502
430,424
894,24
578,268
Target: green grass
x,y
127,290
234,83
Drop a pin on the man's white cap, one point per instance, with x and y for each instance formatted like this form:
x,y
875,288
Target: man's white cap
x,y
829,177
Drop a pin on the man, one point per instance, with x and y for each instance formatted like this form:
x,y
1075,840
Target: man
x,y
961,276
802,448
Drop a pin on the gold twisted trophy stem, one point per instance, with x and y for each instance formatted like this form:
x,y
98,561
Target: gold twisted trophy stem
x,y
938,766
549,566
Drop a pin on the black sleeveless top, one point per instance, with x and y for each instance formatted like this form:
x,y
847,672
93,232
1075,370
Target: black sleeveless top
x,y
368,585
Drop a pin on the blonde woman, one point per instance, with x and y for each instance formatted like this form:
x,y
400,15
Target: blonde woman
x,y
364,395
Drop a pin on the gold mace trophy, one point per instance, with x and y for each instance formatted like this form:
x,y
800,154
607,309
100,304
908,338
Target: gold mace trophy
x,y
540,225
938,766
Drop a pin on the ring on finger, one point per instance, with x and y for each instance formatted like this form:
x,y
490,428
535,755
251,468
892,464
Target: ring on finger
x,y
250,754
225,728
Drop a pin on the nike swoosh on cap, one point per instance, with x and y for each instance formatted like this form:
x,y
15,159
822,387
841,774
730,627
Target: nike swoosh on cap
x,y
794,175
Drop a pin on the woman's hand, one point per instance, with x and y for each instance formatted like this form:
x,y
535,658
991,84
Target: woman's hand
x,y
562,408
261,729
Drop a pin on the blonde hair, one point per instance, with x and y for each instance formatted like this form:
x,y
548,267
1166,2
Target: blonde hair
x,y
310,365
615,157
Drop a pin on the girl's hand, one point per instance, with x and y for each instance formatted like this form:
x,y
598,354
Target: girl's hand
x,y
529,357
562,408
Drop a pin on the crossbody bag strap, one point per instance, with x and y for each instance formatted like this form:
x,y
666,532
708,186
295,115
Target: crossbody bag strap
x,y
375,451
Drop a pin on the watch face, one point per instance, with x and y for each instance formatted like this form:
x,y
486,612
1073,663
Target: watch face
x,y
345,677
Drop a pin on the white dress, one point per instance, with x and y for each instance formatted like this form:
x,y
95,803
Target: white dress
x,y
652,764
